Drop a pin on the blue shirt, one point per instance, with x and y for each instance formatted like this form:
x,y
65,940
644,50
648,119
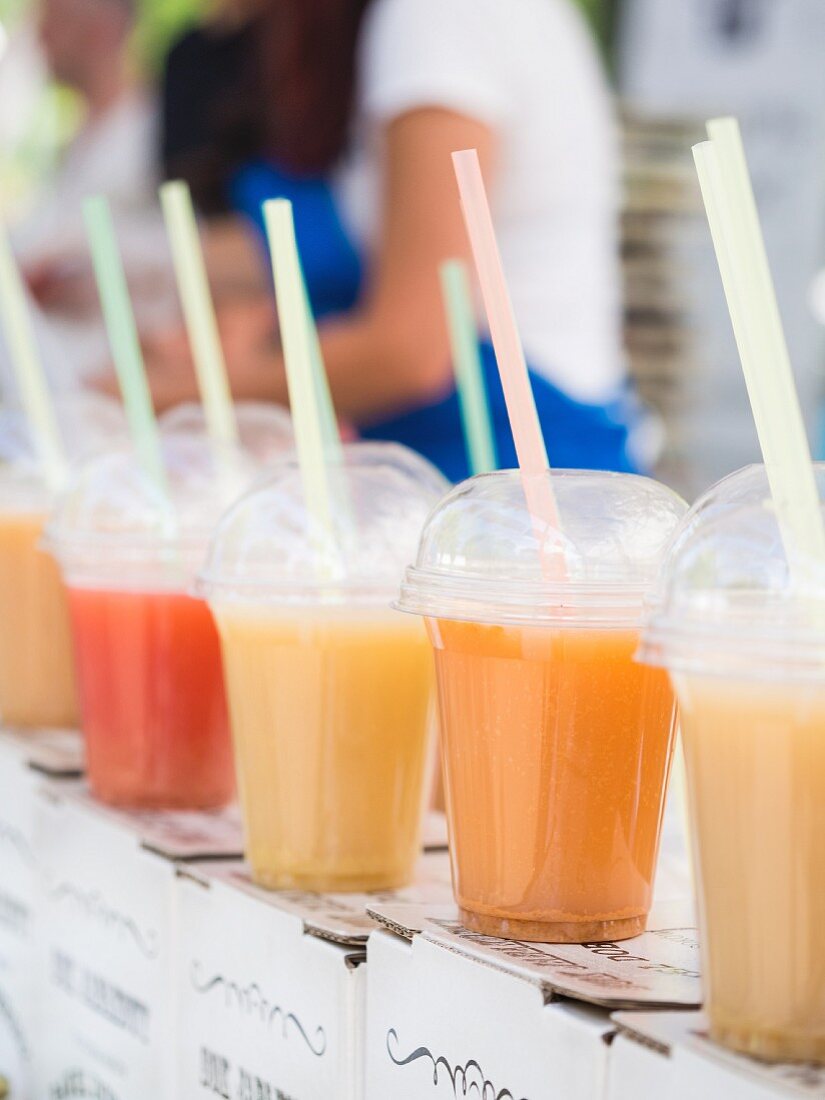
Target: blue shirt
x,y
578,435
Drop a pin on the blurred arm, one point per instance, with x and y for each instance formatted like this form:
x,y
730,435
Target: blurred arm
x,y
392,352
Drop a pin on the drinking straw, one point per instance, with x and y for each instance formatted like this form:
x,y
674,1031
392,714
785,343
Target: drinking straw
x,y
297,340
329,423
199,315
472,399
740,251
521,406
123,339
28,369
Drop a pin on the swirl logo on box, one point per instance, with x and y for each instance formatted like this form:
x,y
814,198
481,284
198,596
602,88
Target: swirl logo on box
x,y
468,1077
251,1001
95,906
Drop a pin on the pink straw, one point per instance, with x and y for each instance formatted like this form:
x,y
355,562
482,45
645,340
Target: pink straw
x,y
521,406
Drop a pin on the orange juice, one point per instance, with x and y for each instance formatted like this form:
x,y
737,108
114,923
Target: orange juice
x,y
37,683
755,756
557,748
330,711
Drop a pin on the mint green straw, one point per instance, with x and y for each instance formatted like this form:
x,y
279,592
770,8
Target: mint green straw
x,y
123,339
28,369
472,397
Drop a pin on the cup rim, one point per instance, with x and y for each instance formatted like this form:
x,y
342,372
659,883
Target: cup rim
x,y
436,594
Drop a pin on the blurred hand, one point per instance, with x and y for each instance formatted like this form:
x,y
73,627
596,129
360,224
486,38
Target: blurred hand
x,y
247,335
60,284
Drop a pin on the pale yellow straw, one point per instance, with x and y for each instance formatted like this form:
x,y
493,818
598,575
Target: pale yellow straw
x,y
298,359
199,314
740,250
28,369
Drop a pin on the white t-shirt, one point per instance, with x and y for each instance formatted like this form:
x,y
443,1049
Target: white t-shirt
x,y
529,69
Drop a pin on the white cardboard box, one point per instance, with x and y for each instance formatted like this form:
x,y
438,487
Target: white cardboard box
x,y
452,1014
25,759
671,1052
271,985
640,1057
106,943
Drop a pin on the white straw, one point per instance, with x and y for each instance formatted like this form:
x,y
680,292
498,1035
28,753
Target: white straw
x,y
740,251
31,381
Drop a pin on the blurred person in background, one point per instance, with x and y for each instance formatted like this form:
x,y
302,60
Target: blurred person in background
x,y
211,77
364,101
85,45
206,127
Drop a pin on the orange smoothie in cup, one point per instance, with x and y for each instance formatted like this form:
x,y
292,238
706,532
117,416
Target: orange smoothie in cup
x,y
556,749
556,745
37,679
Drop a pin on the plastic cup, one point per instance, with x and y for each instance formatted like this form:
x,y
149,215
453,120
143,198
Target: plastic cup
x,y
148,659
330,689
37,680
745,646
264,429
37,687
556,744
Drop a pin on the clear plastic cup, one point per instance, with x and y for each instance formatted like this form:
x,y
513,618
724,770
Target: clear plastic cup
x,y
37,680
744,641
264,429
37,685
330,689
148,659
556,744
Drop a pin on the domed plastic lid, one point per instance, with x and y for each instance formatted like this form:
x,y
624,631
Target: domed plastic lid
x,y
114,515
265,429
270,549
482,557
89,424
730,600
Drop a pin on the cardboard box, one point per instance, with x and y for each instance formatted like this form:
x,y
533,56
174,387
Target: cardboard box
x,y
271,986
25,761
640,1061
672,1051
106,942
451,1013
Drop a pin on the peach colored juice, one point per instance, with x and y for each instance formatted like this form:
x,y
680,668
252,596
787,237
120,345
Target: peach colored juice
x,y
330,711
37,681
556,748
755,756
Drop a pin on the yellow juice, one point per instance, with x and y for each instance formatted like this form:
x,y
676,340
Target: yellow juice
x,y
755,757
37,681
330,711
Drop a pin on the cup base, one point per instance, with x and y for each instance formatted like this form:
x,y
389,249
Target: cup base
x,y
140,800
770,1045
329,884
537,931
